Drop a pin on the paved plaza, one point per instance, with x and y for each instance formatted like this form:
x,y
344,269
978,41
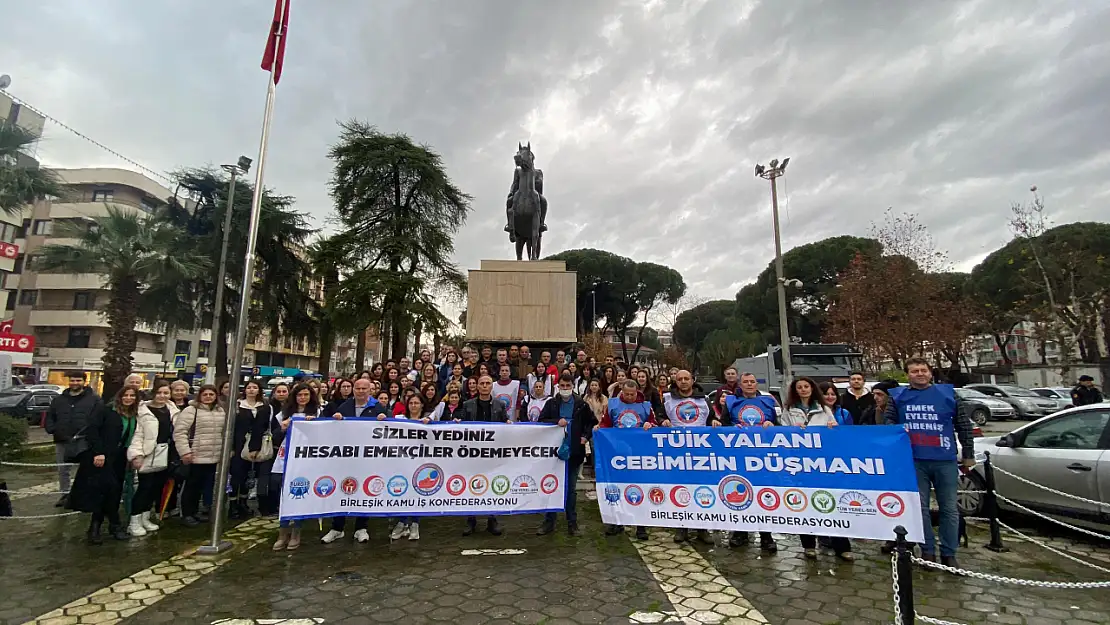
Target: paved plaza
x,y
50,577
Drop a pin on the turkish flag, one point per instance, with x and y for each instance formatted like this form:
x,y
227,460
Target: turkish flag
x,y
275,42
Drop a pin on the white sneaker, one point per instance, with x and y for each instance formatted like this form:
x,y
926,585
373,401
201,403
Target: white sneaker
x,y
135,527
399,532
362,536
414,531
331,537
148,524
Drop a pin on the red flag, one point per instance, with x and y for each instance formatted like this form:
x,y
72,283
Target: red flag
x,y
275,42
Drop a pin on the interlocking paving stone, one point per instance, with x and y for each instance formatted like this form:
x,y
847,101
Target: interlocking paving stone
x,y
556,580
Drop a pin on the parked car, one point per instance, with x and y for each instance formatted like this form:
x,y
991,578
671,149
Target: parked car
x,y
1068,451
1061,395
27,404
982,407
1026,403
38,387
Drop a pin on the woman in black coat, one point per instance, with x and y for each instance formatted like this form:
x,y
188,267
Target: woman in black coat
x,y
100,472
252,415
268,497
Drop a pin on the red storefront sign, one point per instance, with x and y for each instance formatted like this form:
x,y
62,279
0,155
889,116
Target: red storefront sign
x,y
7,250
17,343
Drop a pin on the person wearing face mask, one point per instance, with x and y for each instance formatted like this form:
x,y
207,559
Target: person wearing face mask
x,y
568,410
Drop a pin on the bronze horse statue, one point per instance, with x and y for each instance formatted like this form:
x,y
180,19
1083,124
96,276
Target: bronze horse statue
x,y
526,205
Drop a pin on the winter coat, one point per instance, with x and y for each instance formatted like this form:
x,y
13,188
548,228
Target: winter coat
x,y
582,421
249,421
856,405
798,416
68,413
498,414
98,489
207,426
444,412
148,431
347,409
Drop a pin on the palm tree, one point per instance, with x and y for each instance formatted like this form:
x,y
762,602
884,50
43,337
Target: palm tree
x,y
21,180
395,199
137,253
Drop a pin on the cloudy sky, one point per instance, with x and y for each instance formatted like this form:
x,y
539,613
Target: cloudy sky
x,y
647,117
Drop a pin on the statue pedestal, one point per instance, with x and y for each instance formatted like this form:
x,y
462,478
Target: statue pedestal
x,y
521,301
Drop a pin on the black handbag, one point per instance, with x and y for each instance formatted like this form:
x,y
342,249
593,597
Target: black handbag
x,y
178,469
76,446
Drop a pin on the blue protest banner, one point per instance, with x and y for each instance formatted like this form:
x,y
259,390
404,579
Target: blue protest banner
x,y
852,481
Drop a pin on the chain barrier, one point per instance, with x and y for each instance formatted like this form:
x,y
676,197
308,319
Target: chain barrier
x,y
31,492
1048,488
1006,580
1053,549
897,588
1048,518
37,464
934,621
37,516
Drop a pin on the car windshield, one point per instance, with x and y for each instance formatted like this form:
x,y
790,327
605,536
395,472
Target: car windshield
x,y
970,392
1017,391
11,398
1046,392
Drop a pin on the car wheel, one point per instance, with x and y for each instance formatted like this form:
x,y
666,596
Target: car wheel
x,y
971,504
980,416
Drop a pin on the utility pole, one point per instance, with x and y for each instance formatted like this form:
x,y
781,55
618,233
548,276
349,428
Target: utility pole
x,y
772,172
242,167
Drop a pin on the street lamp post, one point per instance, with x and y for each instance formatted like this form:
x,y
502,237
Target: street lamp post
x,y
772,172
242,167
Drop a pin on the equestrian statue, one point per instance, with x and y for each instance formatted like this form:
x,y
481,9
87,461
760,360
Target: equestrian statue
x,y
526,207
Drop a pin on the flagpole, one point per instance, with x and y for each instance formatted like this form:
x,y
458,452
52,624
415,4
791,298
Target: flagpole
x,y
217,545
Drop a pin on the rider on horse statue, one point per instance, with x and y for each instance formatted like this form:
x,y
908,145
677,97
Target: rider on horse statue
x,y
509,200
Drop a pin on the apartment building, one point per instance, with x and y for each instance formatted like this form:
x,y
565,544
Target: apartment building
x,y
11,225
63,312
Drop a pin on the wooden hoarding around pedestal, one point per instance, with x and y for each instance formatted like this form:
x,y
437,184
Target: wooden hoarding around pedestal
x,y
525,301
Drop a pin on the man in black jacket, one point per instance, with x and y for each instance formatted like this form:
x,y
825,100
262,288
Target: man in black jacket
x,y
68,414
359,404
484,408
1085,393
856,399
567,409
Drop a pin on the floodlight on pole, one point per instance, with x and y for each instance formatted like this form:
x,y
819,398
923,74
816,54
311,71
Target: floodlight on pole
x,y
772,172
240,168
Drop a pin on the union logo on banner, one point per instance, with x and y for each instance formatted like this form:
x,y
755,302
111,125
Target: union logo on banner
x,y
9,342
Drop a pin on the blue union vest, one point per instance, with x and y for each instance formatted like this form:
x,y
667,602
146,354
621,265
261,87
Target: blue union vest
x,y
750,410
929,415
628,415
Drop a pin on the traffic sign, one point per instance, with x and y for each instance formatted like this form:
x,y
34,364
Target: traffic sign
x,y
179,361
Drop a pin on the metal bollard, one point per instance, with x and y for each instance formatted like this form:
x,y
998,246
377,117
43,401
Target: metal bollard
x,y
992,508
904,581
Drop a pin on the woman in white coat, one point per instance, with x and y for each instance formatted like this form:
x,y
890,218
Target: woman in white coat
x,y
149,454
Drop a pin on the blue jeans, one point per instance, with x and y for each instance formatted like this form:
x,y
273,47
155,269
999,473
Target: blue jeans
x,y
571,497
942,476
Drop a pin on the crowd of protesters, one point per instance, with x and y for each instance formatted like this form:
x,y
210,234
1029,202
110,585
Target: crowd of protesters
x,y
156,450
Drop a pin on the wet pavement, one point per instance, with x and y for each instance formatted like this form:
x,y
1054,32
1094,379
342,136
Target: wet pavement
x,y
49,574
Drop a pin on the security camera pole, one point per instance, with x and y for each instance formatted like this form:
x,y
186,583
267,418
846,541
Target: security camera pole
x,y
772,172
240,168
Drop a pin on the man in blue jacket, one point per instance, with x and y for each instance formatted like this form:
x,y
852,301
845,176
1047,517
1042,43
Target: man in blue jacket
x,y
568,410
359,404
935,419
752,409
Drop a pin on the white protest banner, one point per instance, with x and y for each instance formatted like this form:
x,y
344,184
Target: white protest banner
x,y
365,467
